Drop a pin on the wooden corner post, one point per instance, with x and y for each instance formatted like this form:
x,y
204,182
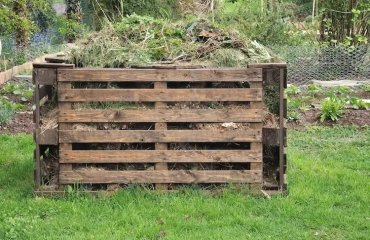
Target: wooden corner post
x,y
44,77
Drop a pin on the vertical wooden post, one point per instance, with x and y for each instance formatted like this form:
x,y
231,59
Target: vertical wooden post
x,y
160,126
36,118
64,126
281,126
257,146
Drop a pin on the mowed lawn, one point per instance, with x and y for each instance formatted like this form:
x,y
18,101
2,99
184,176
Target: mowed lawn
x,y
329,198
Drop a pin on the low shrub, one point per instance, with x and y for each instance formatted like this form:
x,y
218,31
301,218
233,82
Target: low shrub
x,y
6,114
17,89
6,103
358,103
331,109
365,87
292,90
314,89
293,106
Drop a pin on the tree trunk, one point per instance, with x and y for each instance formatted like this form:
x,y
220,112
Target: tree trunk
x,y
20,28
74,14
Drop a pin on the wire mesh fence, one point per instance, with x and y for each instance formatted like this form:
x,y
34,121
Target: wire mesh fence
x,y
306,64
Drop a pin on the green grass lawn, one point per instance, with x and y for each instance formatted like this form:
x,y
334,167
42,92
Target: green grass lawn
x,y
329,198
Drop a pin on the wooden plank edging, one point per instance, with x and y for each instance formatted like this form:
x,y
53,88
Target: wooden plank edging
x,y
16,70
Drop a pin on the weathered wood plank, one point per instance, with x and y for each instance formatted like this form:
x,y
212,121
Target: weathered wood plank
x,y
64,126
53,65
158,176
48,136
36,116
160,126
162,115
155,75
281,128
164,95
55,60
45,76
268,65
157,156
270,136
157,136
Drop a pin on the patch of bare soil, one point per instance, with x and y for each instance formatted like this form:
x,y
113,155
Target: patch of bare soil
x,y
355,117
21,123
350,117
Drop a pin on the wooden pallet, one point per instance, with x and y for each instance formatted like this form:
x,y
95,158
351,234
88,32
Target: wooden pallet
x,y
89,166
159,116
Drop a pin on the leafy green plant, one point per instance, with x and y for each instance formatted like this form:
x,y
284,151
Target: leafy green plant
x,y
6,114
18,89
365,87
314,89
69,29
338,92
331,109
5,102
292,90
342,90
293,115
293,106
358,103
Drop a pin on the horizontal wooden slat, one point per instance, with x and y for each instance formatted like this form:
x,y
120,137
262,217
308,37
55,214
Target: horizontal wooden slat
x,y
157,156
106,136
160,176
52,65
48,137
155,75
55,60
162,115
268,65
165,95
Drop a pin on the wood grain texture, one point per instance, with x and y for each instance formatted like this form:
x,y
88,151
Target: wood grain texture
x,y
162,115
47,136
55,60
283,75
158,136
158,176
45,76
162,95
155,75
64,126
53,65
160,126
268,65
36,116
157,156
